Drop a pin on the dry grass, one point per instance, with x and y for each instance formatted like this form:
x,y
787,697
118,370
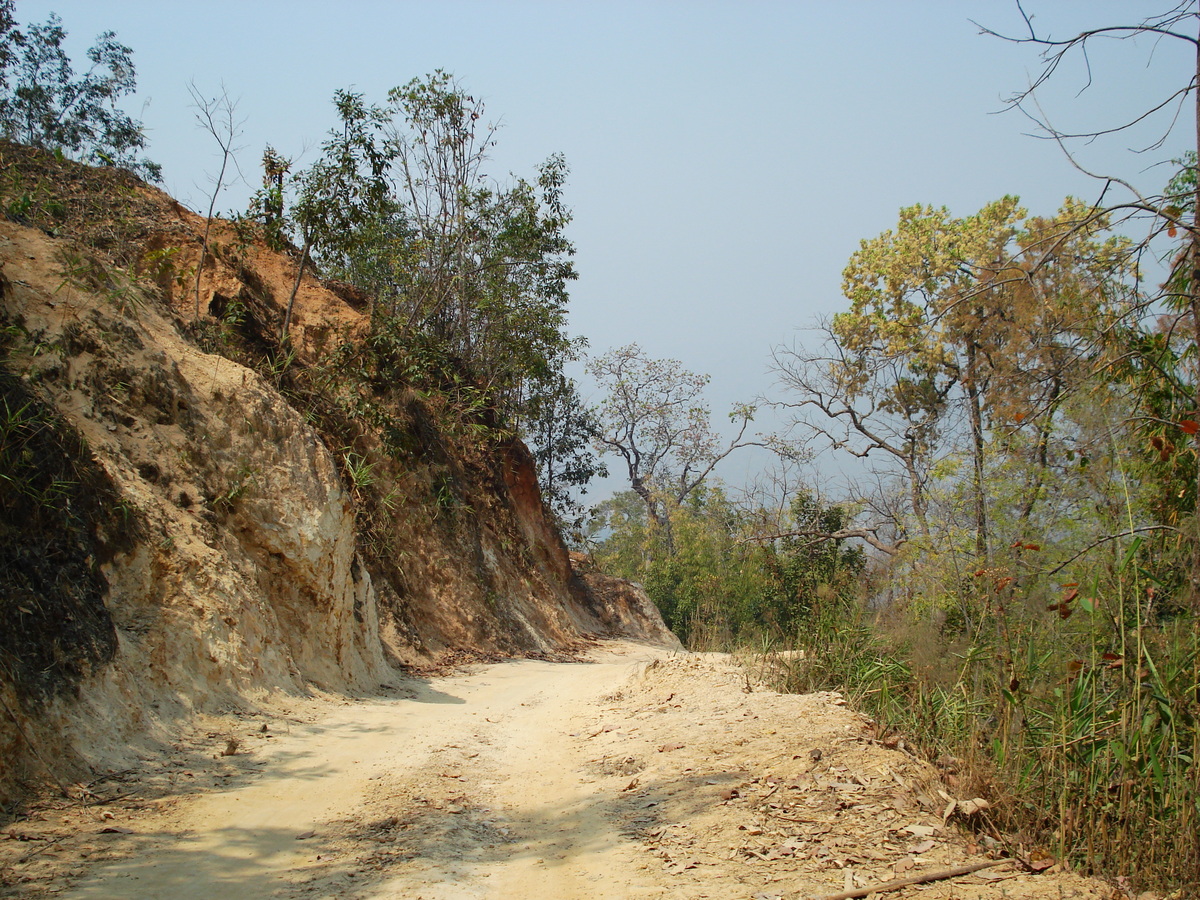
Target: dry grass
x,y
1086,753
105,209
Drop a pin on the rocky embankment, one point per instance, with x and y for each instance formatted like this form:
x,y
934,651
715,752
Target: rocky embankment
x,y
183,533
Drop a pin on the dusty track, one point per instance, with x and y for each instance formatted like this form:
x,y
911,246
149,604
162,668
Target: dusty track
x,y
635,774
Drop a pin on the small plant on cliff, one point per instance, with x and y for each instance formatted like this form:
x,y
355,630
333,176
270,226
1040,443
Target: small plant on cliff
x,y
359,470
89,275
25,202
241,481
44,103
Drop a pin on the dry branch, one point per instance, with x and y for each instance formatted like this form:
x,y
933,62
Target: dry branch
x,y
869,535
939,875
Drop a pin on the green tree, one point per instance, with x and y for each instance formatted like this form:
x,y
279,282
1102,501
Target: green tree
x,y
269,203
43,102
560,430
467,277
812,560
345,188
485,279
707,587
723,582
616,530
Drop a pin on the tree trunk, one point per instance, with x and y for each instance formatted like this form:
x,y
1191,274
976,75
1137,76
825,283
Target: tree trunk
x,y
655,515
1034,488
981,521
916,494
287,316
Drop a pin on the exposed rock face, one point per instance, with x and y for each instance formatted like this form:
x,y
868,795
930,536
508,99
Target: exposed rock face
x,y
242,572
620,607
520,478
226,562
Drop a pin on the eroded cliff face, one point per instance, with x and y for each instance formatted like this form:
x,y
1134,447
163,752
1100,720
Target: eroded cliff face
x,y
219,553
234,569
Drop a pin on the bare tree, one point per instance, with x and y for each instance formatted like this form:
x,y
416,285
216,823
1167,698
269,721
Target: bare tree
x,y
853,412
217,116
768,505
656,420
1166,212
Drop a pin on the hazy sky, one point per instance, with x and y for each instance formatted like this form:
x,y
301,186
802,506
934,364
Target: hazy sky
x,y
726,158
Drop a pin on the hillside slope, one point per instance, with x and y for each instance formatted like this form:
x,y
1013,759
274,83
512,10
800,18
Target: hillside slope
x,y
192,520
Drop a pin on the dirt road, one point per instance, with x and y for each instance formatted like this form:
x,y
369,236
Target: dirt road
x,y
633,774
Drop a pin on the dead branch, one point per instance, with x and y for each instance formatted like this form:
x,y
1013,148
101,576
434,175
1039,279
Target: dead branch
x,y
939,875
1055,52
1111,537
217,117
870,535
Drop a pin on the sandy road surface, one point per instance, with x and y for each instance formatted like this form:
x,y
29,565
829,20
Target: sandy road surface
x,y
488,748
635,774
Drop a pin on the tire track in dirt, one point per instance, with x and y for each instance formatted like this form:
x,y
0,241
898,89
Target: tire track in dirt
x,y
420,767
637,774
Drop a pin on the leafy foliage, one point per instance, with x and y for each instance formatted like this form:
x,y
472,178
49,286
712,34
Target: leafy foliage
x,y
717,586
561,430
45,104
467,277
344,187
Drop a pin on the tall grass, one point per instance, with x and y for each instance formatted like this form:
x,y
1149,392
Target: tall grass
x,y
1084,732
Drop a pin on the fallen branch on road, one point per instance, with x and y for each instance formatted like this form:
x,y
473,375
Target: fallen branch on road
x,y
939,875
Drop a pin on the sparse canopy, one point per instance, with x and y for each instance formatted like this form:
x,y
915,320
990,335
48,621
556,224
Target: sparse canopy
x,y
655,419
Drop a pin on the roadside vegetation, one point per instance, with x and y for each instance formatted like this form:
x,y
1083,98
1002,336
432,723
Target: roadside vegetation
x,y
1011,586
